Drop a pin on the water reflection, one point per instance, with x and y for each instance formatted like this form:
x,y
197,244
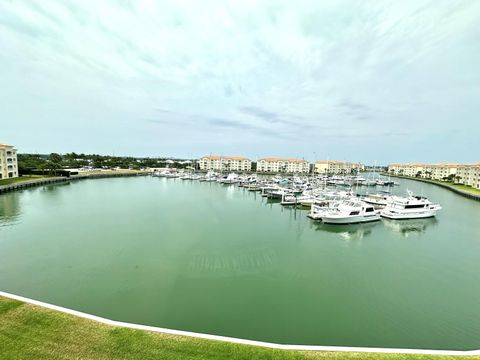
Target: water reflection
x,y
9,209
224,264
54,187
347,232
409,227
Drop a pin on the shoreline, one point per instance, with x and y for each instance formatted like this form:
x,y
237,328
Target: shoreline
x,y
64,179
445,186
185,335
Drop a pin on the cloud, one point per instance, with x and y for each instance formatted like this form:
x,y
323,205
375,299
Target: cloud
x,y
275,118
303,77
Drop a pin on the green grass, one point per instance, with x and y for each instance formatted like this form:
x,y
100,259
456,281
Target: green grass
x,y
31,332
463,188
20,179
460,187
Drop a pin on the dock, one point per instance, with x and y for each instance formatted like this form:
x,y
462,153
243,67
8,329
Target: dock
x,y
64,179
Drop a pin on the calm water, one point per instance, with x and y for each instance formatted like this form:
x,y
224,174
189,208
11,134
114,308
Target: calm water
x,y
221,260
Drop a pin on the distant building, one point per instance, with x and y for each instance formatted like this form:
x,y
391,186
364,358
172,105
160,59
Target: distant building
x,y
8,161
466,174
337,167
280,165
225,163
441,171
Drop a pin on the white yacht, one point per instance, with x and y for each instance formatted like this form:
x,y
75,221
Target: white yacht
x,y
171,175
377,200
232,178
351,212
409,207
320,209
210,176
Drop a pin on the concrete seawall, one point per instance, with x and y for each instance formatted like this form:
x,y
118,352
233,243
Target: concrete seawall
x,y
459,192
58,180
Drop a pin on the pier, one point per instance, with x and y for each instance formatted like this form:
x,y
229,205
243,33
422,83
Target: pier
x,y
65,179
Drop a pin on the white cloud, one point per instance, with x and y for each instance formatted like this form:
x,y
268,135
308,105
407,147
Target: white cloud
x,y
322,76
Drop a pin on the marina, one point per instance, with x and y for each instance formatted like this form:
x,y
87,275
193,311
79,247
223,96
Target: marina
x,y
210,257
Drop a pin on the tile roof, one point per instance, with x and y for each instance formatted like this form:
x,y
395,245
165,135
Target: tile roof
x,y
335,162
282,159
225,157
438,165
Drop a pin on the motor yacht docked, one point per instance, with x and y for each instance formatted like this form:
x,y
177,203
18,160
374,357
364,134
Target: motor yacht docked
x,y
351,212
377,200
210,176
231,178
409,207
321,208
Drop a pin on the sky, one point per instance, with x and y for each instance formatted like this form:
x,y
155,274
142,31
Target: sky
x,y
371,81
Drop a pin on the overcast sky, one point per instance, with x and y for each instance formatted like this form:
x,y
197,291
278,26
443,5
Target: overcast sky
x,y
384,81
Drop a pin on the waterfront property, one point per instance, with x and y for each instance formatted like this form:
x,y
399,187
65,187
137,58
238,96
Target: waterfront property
x,y
225,163
469,175
464,174
337,167
222,260
22,338
283,165
8,161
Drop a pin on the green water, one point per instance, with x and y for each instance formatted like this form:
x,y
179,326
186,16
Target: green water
x,y
217,259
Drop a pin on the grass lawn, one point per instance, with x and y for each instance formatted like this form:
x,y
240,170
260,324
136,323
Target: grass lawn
x,y
460,187
31,332
464,188
20,179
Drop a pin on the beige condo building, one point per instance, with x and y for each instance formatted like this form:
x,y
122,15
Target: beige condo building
x,y
8,161
469,175
440,171
225,163
337,167
282,165
466,174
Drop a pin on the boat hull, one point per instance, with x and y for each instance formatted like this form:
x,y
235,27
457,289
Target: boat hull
x,y
342,220
409,215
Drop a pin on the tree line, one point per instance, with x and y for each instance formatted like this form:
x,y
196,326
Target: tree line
x,y
54,162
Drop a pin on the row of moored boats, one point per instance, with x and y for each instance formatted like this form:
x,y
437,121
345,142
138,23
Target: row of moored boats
x,y
327,199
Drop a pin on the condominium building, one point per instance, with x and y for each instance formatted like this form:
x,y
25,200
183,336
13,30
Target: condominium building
x,y
8,161
337,167
466,174
441,171
225,163
469,174
406,169
280,165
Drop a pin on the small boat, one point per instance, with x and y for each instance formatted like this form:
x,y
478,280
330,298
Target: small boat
x,y
377,200
320,209
409,207
231,178
351,212
171,175
288,199
210,176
